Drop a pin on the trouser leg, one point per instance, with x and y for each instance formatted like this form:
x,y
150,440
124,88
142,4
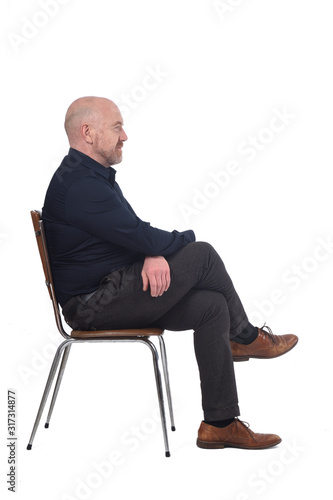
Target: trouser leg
x,y
207,313
199,266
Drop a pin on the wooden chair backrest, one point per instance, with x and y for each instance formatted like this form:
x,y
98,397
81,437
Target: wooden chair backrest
x,y
38,225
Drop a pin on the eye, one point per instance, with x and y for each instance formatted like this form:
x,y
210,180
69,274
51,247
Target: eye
x,y
117,127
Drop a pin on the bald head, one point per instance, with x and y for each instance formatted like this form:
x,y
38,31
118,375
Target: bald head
x,y
89,110
93,124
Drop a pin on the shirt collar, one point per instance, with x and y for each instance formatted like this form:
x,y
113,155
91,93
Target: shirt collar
x,y
108,173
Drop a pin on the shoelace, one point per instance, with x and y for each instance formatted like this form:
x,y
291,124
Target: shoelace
x,y
245,424
269,332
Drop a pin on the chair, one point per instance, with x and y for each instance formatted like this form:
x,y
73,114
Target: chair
x,y
141,335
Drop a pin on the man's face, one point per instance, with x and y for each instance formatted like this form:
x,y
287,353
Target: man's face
x,y
109,136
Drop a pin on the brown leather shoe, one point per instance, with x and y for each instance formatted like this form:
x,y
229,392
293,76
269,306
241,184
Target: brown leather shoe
x,y
265,346
235,435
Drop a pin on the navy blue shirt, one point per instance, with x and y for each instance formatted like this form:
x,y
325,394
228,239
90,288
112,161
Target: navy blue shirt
x,y
92,230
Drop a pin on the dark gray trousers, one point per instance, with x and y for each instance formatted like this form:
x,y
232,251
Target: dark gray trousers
x,y
201,297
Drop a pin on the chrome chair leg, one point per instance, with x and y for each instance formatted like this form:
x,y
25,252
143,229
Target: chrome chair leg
x,y
58,382
159,393
49,382
167,380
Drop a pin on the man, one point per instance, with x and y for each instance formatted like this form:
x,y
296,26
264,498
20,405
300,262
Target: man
x,y
113,270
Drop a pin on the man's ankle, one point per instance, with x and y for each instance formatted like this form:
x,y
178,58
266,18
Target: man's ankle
x,y
247,335
220,423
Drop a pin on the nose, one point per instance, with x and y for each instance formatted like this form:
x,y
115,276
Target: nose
x,y
123,137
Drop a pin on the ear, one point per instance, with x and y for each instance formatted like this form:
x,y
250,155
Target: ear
x,y
86,133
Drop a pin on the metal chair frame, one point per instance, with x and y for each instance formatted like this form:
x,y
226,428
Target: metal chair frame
x,y
102,336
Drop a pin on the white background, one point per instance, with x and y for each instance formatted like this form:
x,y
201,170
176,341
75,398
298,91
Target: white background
x,y
223,70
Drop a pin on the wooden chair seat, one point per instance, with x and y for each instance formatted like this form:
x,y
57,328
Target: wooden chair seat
x,y
93,334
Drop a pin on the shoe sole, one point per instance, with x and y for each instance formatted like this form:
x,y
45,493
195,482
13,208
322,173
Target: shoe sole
x,y
220,445
246,358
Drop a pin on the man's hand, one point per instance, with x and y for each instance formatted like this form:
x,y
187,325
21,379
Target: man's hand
x,y
156,274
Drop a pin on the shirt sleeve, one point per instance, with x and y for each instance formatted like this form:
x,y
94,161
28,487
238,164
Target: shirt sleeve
x,y
95,207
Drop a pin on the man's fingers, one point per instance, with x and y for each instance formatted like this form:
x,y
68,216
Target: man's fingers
x,y
162,284
168,280
145,281
153,286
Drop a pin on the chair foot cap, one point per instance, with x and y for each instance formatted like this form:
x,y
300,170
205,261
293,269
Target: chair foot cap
x,y
46,425
173,428
29,446
167,453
